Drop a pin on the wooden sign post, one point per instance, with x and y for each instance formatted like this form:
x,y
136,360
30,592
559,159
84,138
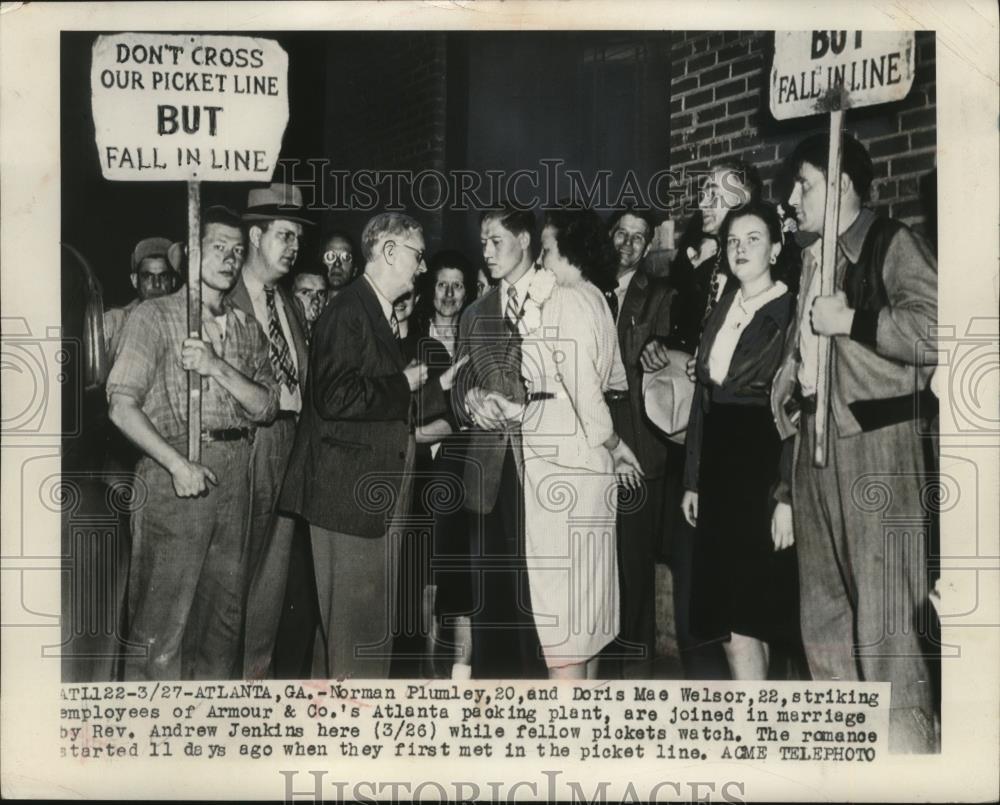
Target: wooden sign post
x,y
832,71
190,108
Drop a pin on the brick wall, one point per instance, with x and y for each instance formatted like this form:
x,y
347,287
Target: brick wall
x,y
386,110
719,108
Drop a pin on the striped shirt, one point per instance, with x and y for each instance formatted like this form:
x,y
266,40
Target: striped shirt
x,y
148,367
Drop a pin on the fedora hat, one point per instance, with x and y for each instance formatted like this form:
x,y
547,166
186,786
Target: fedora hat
x,y
668,395
276,202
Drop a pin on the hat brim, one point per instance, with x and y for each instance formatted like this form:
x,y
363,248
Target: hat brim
x,y
273,212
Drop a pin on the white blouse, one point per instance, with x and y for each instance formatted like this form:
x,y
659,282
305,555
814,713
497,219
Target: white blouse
x,y
739,315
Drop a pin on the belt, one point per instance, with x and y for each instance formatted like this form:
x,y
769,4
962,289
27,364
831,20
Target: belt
x,y
227,434
808,404
613,396
535,396
286,415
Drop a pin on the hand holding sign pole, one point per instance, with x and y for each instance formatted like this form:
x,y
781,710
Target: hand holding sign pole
x,y
832,71
191,108
194,315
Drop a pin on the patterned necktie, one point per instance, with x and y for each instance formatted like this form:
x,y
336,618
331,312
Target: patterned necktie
x,y
281,355
394,325
513,310
713,291
612,298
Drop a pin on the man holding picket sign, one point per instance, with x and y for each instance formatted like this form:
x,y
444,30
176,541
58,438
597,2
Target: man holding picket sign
x,y
187,582
857,365
194,375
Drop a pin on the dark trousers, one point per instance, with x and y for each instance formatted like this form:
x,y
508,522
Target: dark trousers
x,y
270,547
504,638
297,631
641,516
188,578
699,659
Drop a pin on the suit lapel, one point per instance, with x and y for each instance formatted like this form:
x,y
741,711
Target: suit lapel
x,y
631,313
298,332
240,298
370,302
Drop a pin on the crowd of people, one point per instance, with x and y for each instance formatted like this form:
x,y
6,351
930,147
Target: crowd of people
x,y
457,467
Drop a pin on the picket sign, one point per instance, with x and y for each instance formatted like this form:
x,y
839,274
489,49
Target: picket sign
x,y
818,72
191,108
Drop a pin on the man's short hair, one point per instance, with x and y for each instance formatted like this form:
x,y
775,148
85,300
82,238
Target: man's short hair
x,y
394,224
337,233
644,215
854,160
219,214
748,175
309,270
512,219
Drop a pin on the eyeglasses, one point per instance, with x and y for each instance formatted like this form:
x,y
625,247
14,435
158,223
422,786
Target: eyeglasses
x,y
418,252
331,257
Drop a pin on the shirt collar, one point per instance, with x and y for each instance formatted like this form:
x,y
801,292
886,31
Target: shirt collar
x,y
521,285
625,279
751,306
385,304
255,288
854,238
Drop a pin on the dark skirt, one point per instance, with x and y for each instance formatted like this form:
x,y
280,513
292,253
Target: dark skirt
x,y
741,584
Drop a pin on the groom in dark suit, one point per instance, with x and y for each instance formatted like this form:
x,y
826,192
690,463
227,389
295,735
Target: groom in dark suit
x,y
350,468
504,638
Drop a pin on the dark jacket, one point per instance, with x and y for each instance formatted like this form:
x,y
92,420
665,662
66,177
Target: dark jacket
x,y
748,382
494,365
644,316
354,446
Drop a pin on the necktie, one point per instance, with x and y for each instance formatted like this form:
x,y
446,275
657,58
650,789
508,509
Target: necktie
x,y
394,325
612,298
713,290
513,310
281,355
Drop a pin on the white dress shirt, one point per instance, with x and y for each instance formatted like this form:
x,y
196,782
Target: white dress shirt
x,y
739,315
623,282
522,286
289,400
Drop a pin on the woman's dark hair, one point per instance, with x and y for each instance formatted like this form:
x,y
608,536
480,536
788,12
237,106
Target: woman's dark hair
x,y
582,238
423,313
767,213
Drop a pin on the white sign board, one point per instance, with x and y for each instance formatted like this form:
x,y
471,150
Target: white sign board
x,y
188,107
822,71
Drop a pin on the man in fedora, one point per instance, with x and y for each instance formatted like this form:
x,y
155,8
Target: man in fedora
x,y
273,222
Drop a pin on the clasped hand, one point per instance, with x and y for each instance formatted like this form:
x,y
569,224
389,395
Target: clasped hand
x,y
490,410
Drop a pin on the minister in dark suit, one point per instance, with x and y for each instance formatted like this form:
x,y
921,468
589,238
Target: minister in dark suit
x,y
350,467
